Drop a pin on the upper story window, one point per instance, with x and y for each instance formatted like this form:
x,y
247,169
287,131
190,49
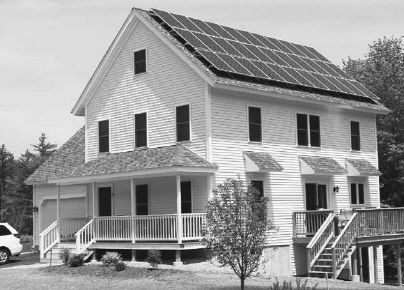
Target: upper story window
x,y
357,193
254,124
103,136
140,61
186,197
140,130
308,130
355,136
183,124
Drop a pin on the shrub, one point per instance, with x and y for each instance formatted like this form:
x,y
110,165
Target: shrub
x,y
76,260
288,286
64,255
111,258
120,266
154,258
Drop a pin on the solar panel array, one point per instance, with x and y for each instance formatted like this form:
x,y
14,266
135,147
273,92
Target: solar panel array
x,y
242,53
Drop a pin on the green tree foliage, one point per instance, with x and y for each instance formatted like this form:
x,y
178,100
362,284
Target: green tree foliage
x,y
7,165
44,148
237,226
382,71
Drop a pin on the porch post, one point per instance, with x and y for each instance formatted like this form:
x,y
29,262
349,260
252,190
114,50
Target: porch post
x,y
179,219
133,208
398,254
58,211
375,268
93,187
360,264
87,213
94,197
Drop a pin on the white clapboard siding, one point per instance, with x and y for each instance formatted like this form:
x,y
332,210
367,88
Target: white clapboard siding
x,y
286,188
169,82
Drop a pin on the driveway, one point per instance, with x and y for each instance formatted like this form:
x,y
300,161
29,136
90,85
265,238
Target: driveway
x,y
23,259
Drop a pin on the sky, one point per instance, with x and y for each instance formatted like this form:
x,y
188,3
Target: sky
x,y
50,48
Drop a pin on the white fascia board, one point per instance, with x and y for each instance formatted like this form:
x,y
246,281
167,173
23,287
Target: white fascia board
x,y
36,182
106,62
64,196
175,49
295,98
160,172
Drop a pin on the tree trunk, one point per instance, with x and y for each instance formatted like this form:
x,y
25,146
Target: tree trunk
x,y
242,283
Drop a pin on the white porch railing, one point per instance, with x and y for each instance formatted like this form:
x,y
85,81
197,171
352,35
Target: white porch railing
x,y
48,238
69,227
148,227
85,237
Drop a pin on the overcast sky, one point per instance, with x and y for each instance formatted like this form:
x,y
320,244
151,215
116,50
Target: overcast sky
x,y
50,48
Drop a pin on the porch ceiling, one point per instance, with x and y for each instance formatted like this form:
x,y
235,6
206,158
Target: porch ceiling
x,y
361,167
314,165
147,162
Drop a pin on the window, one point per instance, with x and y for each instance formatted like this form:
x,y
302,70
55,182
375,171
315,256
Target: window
x,y
258,185
357,193
308,130
254,124
142,199
140,61
140,130
355,136
103,135
183,130
4,231
316,196
186,197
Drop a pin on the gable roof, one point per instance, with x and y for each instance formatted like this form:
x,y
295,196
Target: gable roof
x,y
63,161
235,59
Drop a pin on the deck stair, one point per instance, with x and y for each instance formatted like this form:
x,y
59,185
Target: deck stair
x,y
52,256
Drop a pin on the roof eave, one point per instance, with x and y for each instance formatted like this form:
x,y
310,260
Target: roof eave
x,y
158,172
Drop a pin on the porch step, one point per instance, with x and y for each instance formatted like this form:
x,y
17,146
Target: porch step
x,y
54,253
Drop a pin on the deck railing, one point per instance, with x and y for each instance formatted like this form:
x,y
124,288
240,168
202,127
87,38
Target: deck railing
x,y
155,227
320,240
307,223
380,221
48,238
69,227
192,226
85,237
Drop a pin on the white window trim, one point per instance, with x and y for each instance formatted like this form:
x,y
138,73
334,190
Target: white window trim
x,y
109,136
308,131
357,194
147,61
248,125
147,129
350,135
190,123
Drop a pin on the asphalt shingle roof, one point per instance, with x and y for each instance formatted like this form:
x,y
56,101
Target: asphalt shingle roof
x,y
364,166
323,164
263,160
142,159
63,161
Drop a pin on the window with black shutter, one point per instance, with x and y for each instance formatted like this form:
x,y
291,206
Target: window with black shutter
x,y
140,130
254,124
183,125
103,135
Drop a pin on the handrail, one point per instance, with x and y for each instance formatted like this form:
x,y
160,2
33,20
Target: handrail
x,y
321,239
308,222
85,237
344,241
49,238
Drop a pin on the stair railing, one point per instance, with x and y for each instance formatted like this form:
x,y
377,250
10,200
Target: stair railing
x,y
49,238
343,242
320,240
85,237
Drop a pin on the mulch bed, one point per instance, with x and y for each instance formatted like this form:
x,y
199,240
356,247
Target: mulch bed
x,y
109,272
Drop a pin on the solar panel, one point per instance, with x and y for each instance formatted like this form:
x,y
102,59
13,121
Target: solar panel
x,y
258,57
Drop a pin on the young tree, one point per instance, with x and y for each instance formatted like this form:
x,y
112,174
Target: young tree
x,y
382,72
44,148
237,226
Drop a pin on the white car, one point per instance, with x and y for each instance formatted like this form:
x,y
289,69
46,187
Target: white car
x,y
10,245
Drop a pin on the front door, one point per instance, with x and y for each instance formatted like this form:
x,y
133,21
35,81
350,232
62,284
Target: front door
x,y
316,196
104,201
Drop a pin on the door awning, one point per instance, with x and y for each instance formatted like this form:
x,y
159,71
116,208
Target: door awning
x,y
260,162
361,167
314,165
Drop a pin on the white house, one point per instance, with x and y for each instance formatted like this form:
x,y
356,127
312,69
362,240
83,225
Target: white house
x,y
176,106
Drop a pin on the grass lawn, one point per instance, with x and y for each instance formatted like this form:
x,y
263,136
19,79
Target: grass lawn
x,y
196,276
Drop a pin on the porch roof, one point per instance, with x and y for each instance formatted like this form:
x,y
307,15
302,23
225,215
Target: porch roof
x,y
361,167
146,161
320,166
260,162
